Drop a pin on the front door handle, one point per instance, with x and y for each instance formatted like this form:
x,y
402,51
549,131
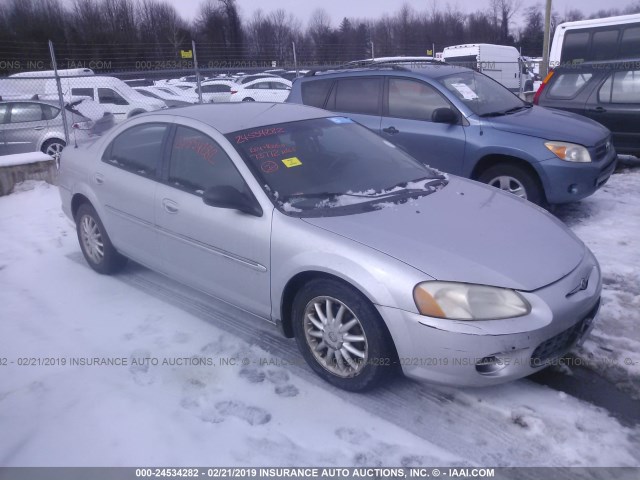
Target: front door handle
x,y
170,206
598,110
391,130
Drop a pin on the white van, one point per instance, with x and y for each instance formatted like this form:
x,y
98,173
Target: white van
x,y
599,39
65,72
112,93
500,62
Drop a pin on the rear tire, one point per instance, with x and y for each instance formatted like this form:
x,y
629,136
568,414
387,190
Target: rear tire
x,y
341,335
53,147
516,180
95,244
248,99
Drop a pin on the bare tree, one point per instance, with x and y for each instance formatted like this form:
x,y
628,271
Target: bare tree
x,y
503,12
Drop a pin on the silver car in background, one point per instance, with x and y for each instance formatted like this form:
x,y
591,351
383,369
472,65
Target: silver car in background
x,y
37,125
371,260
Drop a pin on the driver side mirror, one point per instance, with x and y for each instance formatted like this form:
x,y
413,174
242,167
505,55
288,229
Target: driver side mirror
x,y
444,115
225,196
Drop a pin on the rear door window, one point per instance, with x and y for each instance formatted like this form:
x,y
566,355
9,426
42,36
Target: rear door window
x,y
567,85
138,149
357,95
413,100
626,87
26,112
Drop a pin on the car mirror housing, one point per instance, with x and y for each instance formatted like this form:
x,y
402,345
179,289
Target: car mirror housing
x,y
226,196
444,115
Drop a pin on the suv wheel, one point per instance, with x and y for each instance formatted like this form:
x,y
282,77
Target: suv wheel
x,y
341,335
515,180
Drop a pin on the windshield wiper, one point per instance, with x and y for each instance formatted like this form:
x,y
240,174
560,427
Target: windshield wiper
x,y
493,114
518,108
434,181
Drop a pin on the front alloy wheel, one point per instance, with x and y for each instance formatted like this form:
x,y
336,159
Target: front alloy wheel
x,y
341,335
335,336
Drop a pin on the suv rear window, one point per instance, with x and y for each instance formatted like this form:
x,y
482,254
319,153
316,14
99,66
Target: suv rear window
x,y
567,85
314,93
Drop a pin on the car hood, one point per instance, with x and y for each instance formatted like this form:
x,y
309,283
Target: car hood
x,y
551,124
468,232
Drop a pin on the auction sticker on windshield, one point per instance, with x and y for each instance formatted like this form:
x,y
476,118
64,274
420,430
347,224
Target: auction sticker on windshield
x,y
465,91
291,162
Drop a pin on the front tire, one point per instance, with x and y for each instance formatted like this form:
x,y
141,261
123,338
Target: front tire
x,y
341,335
95,244
515,180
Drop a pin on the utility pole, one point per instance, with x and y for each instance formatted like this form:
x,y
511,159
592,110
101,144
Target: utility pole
x,y
544,68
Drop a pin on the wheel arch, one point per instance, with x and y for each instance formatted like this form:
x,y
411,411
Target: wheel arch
x,y
493,159
299,280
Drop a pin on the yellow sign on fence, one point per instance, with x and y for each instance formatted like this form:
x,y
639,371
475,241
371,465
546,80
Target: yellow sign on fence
x,y
186,53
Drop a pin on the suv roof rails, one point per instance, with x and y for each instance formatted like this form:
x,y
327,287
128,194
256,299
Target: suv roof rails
x,y
375,66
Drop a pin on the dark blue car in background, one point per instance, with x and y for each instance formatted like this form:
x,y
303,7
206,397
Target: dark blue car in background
x,y
465,123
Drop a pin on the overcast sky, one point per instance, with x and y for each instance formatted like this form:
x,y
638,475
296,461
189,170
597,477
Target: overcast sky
x,y
337,9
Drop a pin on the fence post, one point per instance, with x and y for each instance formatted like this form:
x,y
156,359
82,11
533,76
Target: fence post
x,y
60,97
195,65
295,59
373,55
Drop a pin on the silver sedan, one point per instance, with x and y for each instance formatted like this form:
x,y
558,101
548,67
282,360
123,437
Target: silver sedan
x,y
374,262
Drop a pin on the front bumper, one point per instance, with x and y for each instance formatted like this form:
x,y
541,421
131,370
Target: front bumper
x,y
566,182
482,353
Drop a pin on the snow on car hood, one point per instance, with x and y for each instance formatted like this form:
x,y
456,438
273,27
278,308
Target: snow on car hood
x,y
551,124
467,232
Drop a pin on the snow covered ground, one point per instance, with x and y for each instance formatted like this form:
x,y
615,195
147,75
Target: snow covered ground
x,y
52,305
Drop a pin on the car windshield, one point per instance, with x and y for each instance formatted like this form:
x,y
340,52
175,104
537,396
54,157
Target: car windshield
x,y
482,95
331,164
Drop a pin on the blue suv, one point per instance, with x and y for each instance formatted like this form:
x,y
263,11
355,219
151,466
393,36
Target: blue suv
x,y
463,122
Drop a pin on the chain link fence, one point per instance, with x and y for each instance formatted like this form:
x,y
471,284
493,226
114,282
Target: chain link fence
x,y
81,91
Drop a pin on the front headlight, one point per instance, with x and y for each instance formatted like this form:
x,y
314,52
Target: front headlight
x,y
465,301
569,151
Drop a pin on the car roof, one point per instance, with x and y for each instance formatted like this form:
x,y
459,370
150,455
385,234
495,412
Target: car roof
x,y
267,79
231,117
430,70
54,103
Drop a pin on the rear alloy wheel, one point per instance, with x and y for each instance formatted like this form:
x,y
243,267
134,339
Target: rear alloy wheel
x,y
515,180
53,148
95,244
341,335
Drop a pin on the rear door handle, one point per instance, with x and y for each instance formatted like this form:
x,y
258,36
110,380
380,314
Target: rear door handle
x,y
98,178
38,128
391,130
170,206
598,110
